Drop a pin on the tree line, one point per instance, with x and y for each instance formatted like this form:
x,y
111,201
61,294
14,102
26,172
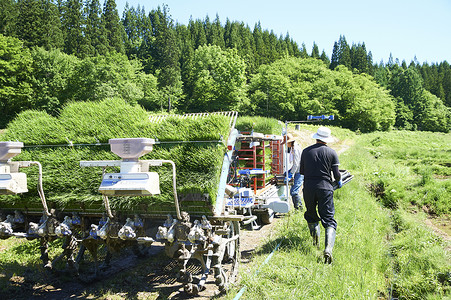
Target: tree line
x,y
55,52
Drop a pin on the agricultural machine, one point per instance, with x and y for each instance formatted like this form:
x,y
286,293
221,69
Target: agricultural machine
x,y
194,228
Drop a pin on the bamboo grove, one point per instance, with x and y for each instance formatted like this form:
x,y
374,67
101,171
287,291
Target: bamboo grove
x,y
57,52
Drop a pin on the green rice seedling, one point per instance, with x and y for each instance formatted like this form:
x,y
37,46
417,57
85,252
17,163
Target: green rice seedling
x,y
259,124
36,127
211,128
91,122
195,145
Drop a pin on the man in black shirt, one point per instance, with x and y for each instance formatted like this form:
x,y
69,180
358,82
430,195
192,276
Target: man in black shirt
x,y
318,162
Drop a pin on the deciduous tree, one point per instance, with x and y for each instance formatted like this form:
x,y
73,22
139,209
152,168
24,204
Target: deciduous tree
x,y
218,80
15,79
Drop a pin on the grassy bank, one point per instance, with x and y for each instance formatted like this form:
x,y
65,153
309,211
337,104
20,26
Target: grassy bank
x,y
410,168
381,252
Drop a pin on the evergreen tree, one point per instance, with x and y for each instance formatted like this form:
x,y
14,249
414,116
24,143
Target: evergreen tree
x,y
391,63
8,17
247,49
95,32
404,64
227,33
239,36
437,80
369,60
135,26
72,25
272,45
335,54
29,22
38,24
288,45
232,35
325,58
260,47
359,58
130,22
408,86
207,28
186,50
344,57
217,33
446,83
315,51
165,53
198,33
114,31
53,36
304,53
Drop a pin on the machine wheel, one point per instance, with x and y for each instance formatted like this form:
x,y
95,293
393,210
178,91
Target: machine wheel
x,y
268,216
230,262
232,247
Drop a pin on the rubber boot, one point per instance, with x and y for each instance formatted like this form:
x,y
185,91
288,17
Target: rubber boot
x,y
330,241
315,231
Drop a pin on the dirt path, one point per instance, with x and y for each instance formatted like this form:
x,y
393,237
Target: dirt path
x,y
304,138
438,226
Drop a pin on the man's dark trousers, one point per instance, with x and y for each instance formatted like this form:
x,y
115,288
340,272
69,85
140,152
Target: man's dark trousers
x,y
325,201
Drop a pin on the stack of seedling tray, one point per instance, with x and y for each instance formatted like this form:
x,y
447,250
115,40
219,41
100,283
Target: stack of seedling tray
x,y
81,132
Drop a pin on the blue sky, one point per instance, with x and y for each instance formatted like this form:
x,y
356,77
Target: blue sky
x,y
405,28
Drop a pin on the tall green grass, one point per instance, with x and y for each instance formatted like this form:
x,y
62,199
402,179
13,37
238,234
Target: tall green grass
x,y
297,271
381,252
421,264
411,168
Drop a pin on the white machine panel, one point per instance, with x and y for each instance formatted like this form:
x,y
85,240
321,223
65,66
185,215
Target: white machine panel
x,y
130,184
131,148
13,183
9,149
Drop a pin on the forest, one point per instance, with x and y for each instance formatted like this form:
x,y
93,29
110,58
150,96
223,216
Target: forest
x,y
57,52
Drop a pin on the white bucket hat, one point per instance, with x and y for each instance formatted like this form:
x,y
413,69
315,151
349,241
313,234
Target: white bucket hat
x,y
323,134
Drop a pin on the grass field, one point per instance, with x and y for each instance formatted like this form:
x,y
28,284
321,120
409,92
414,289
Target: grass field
x,y
383,248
